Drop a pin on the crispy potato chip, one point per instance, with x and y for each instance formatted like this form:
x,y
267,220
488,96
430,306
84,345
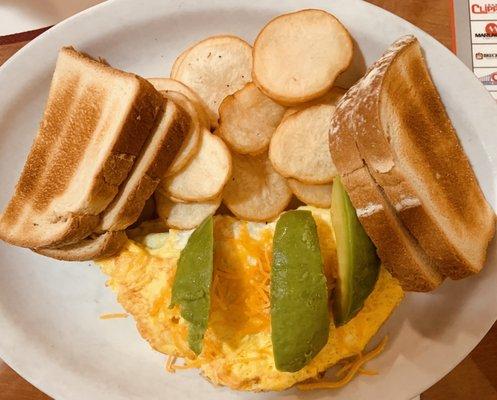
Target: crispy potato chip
x,y
248,119
184,215
298,56
300,149
215,68
256,192
177,62
205,175
331,98
167,84
191,143
312,195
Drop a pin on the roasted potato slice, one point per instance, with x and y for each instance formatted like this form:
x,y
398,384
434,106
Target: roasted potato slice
x,y
300,149
204,177
298,56
177,62
215,68
312,195
248,119
184,215
167,84
256,192
331,98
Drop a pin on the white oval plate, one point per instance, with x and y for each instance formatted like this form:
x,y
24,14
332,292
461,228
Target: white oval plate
x,y
49,311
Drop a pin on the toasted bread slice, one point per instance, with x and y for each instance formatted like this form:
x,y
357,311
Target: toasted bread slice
x,y
88,249
157,155
397,248
95,123
414,154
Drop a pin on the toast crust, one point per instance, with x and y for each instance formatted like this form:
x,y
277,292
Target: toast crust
x,y
88,249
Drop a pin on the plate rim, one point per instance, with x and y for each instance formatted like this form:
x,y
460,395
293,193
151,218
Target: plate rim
x,y
111,3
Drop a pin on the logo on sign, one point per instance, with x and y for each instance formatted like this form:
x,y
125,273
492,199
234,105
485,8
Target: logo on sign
x,y
490,31
484,9
481,56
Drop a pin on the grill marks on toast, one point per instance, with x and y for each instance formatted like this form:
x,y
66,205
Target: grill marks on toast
x,y
415,108
451,219
67,153
394,123
157,155
355,117
39,157
95,124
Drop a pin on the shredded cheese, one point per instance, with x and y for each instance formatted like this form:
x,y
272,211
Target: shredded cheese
x,y
114,316
172,367
170,364
352,370
240,289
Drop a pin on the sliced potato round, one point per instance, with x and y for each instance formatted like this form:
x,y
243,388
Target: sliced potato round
x,y
256,192
167,84
184,215
177,62
298,56
204,177
215,68
331,98
312,195
248,119
192,141
300,149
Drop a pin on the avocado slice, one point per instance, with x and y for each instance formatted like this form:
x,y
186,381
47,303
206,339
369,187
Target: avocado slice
x,y
358,263
192,282
299,300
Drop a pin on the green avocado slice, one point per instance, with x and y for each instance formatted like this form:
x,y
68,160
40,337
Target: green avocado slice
x,y
358,263
192,282
299,299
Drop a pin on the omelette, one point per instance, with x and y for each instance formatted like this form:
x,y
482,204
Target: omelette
x,y
237,349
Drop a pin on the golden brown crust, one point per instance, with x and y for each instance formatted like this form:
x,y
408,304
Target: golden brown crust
x,y
70,229
88,249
